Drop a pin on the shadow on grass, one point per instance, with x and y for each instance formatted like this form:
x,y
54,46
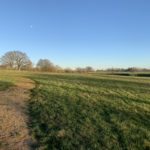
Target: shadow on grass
x,y
62,118
132,74
143,75
63,122
84,80
4,85
106,85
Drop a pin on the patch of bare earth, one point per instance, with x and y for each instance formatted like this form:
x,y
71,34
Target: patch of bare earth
x,y
14,133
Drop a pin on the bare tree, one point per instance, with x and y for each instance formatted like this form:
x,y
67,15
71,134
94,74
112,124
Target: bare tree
x,y
15,59
58,68
68,70
21,60
28,66
84,70
45,65
89,69
8,59
80,70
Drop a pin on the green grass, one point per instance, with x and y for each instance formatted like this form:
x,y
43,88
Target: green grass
x,y
90,112
87,112
6,80
10,78
5,85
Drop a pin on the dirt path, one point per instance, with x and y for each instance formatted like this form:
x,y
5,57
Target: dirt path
x,y
14,133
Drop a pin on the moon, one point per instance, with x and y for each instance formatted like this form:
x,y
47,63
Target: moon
x,y
31,26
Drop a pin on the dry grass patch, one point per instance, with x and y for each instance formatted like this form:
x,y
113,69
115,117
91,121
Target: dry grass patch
x,y
14,133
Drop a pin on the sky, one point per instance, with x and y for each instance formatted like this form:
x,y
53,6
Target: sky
x,y
73,33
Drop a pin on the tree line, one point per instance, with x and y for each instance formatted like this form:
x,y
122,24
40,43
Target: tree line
x,y
18,60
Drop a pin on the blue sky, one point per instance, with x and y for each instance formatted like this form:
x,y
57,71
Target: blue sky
x,y
72,33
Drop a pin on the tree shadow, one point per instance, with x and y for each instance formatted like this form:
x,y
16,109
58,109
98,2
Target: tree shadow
x,y
5,85
144,75
51,111
137,121
131,74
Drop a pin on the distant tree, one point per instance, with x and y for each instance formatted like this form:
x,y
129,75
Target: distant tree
x,y
89,69
68,70
84,70
28,66
45,65
113,70
8,59
133,69
80,70
58,69
15,60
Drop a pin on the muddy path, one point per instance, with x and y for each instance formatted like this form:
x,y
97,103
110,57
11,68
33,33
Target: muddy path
x,y
14,132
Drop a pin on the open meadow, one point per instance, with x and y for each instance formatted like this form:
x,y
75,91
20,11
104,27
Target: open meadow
x,y
75,75
85,111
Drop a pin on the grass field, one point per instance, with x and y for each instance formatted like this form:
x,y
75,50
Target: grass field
x,y
5,81
89,112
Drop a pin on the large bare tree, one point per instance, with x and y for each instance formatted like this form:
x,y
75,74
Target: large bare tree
x,y
15,59
45,65
8,59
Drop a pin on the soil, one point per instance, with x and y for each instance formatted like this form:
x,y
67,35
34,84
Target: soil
x,y
14,131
